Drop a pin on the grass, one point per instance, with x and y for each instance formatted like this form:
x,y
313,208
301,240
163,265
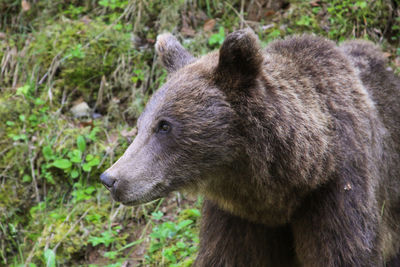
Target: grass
x,y
55,55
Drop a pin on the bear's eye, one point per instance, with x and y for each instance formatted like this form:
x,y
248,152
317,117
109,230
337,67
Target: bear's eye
x,y
164,127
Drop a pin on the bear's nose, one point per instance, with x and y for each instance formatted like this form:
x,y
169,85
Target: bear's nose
x,y
107,180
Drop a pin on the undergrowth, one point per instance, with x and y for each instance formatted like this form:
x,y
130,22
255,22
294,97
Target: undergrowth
x,y
75,75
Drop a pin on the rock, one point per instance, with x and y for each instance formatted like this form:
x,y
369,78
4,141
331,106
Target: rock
x,y
81,110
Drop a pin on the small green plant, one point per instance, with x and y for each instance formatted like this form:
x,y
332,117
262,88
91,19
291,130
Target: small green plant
x,y
174,242
53,164
50,258
275,33
73,162
74,11
217,38
304,21
82,193
138,76
106,238
76,52
355,17
113,4
396,30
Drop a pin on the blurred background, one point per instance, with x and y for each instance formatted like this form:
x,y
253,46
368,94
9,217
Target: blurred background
x,y
75,75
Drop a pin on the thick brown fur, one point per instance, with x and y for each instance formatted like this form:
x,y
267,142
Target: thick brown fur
x,y
295,148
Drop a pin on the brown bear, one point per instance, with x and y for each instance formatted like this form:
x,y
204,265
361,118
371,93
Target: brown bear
x,y
295,148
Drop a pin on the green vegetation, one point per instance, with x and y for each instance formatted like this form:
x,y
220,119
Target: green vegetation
x,y
75,75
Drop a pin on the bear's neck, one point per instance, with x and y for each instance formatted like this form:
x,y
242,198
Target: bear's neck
x,y
239,191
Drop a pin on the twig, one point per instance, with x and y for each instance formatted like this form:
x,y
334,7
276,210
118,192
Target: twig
x,y
9,166
241,14
151,74
5,150
52,71
121,206
237,13
15,77
148,223
108,27
32,252
31,159
99,100
138,17
49,71
71,228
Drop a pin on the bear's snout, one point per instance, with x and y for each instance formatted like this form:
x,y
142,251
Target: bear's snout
x,y
107,180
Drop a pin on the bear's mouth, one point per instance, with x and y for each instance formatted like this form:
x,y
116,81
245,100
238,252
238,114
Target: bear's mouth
x,y
134,200
141,201
138,202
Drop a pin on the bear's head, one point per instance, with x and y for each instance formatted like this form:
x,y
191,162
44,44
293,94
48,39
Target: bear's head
x,y
190,131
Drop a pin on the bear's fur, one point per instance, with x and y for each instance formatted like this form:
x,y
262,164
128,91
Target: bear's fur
x,y
295,148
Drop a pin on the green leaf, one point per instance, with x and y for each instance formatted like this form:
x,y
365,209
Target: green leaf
x,y
76,52
92,135
275,33
104,3
57,215
89,190
81,143
217,38
74,174
118,27
111,254
47,153
106,238
361,4
180,244
24,90
39,101
32,118
94,162
192,213
10,123
50,258
26,178
49,178
62,164
93,217
19,137
86,167
75,156
157,215
184,223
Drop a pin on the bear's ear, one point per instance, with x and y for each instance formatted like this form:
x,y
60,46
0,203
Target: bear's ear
x,y
240,60
172,54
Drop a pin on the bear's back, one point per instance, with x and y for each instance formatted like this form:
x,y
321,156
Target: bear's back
x,y
381,83
384,89
353,89
314,74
